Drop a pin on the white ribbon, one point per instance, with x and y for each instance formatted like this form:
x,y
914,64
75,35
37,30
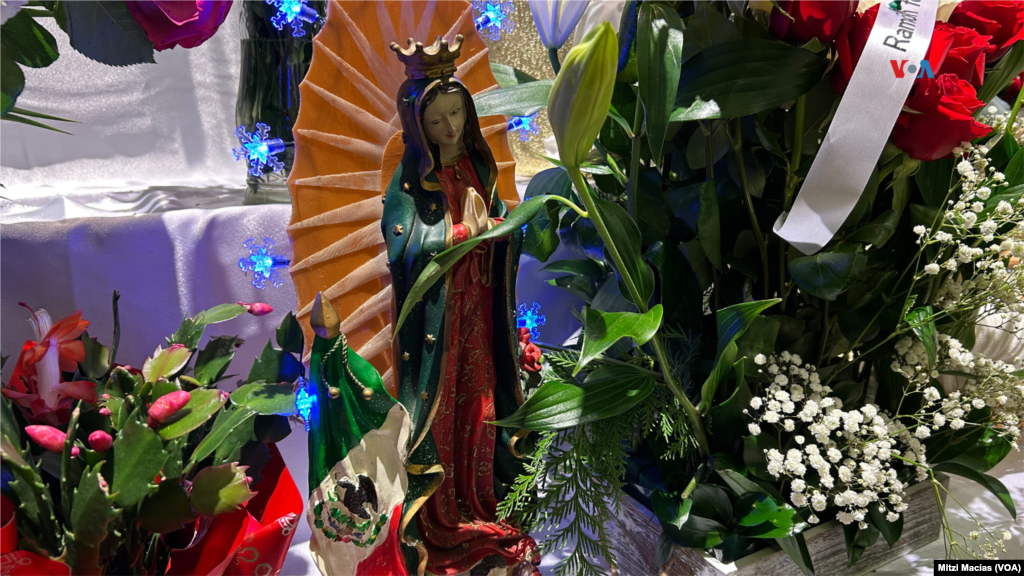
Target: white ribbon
x,y
861,126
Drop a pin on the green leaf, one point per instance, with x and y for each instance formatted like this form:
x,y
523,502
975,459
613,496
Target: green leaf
x,y
95,363
541,238
91,514
699,110
603,329
765,518
139,457
608,391
224,430
920,320
1015,169
990,450
707,27
726,420
671,509
711,501
759,338
624,232
550,182
663,549
709,224
734,320
879,231
32,114
891,531
212,361
749,75
266,398
683,311
659,50
508,76
12,82
738,483
118,413
723,364
9,427
219,313
999,75
220,489
796,548
518,100
991,483
857,540
275,365
106,31
165,363
828,274
436,268
34,515
590,269
204,403
166,510
188,333
289,335
26,41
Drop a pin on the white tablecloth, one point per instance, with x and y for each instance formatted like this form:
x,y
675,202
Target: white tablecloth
x,y
173,263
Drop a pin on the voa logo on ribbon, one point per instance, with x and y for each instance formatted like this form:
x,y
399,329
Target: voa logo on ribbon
x,y
900,68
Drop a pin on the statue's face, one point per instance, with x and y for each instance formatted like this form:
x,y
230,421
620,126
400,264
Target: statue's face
x,y
445,119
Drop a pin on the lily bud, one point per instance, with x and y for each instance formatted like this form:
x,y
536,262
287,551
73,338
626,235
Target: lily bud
x,y
50,439
582,94
257,308
166,406
100,441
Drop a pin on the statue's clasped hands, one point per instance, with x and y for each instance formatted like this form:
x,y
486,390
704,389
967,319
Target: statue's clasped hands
x,y
474,214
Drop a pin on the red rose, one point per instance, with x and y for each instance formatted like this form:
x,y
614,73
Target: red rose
x,y
170,23
966,55
1003,20
819,19
944,108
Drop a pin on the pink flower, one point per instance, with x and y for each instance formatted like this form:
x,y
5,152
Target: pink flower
x,y
100,441
50,439
257,308
185,23
166,406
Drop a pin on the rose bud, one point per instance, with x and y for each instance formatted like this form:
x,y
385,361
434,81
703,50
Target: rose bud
x,y
257,308
50,438
165,406
104,411
582,94
100,441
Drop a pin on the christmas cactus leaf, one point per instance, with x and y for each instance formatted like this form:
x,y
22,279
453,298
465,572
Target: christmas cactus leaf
x,y
12,82
627,239
266,398
891,531
231,448
220,489
140,456
878,232
992,484
289,334
212,361
188,333
541,239
608,391
723,364
166,510
34,516
708,223
91,513
603,329
518,100
224,427
162,388
122,382
772,74
9,427
219,313
26,42
106,31
95,364
924,327
436,268
550,182
659,49
166,362
508,76
275,365
118,412
202,404
796,548
828,274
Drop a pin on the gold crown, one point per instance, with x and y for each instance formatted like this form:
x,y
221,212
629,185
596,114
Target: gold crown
x,y
432,61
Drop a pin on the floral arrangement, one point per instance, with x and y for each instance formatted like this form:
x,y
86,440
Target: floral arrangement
x,y
119,33
117,470
741,389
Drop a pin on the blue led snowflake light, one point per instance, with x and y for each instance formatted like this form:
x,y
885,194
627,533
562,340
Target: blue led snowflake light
x,y
263,263
304,401
493,17
530,318
293,12
258,149
526,126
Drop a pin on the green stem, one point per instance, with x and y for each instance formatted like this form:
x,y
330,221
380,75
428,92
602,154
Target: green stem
x,y
1013,114
737,146
67,490
612,164
602,229
555,64
572,205
790,188
634,160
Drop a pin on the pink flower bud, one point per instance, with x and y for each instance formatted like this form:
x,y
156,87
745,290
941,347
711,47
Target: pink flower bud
x,y
100,441
105,396
257,308
50,438
165,406
174,347
104,411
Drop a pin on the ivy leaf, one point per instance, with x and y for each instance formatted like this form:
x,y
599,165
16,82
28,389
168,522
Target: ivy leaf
x,y
517,100
167,510
920,320
94,365
166,362
603,329
26,41
608,391
266,398
659,48
828,274
709,224
213,360
140,456
106,31
992,484
91,514
220,489
203,403
275,365
224,428
289,335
